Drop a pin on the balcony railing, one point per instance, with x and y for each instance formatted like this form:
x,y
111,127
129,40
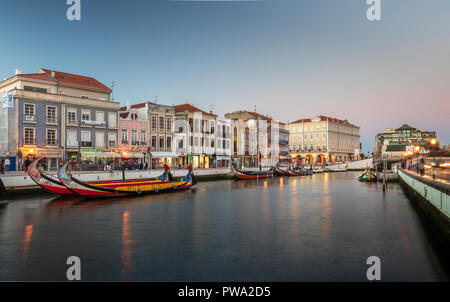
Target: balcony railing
x,y
124,142
29,118
135,143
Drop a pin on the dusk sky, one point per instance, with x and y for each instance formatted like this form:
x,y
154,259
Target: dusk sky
x,y
290,59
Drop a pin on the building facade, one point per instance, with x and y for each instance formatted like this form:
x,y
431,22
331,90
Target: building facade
x,y
134,133
323,139
57,115
394,142
261,139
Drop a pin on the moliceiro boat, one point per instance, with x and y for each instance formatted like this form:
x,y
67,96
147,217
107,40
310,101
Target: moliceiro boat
x,y
367,175
162,183
47,182
338,169
238,174
281,172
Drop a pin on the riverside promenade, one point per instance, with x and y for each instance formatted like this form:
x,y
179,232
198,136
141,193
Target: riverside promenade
x,y
432,199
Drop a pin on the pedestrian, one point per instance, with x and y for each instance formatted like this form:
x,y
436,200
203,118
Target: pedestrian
x,y
422,166
7,164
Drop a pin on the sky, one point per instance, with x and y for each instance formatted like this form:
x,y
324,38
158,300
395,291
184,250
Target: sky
x,y
290,59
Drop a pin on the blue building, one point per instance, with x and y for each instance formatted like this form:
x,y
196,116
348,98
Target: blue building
x,y
57,115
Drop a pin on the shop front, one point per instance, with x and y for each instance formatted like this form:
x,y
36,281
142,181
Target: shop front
x,y
223,161
159,159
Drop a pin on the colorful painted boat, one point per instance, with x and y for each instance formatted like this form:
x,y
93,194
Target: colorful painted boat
x,y
368,176
281,172
238,174
296,173
123,187
47,182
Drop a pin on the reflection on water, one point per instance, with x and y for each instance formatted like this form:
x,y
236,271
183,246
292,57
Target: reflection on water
x,y
127,263
313,228
26,241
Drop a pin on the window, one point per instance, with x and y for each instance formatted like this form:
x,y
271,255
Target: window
x,y
28,113
72,116
154,142
124,136
168,124
35,89
112,119
169,142
318,136
312,135
85,115
196,125
324,135
29,136
72,140
86,139
112,139
191,140
161,142
161,123
84,96
143,137
99,140
195,141
51,114
180,143
134,137
154,123
100,116
51,137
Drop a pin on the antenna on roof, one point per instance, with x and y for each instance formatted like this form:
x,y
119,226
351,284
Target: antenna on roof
x,y
112,91
155,98
255,108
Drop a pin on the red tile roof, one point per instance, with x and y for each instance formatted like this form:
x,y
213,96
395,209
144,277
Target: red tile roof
x,y
190,108
78,80
38,76
136,106
323,118
124,108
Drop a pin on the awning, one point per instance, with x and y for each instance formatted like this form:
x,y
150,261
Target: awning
x,y
223,157
110,154
134,155
163,154
100,154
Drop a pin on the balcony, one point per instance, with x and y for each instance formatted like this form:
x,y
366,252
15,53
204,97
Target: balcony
x,y
124,142
29,118
143,143
135,143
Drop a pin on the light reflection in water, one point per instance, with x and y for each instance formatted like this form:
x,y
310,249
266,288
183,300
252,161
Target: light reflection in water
x,y
265,184
326,213
127,250
281,183
26,241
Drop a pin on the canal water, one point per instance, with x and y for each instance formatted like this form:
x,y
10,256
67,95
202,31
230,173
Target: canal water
x,y
314,228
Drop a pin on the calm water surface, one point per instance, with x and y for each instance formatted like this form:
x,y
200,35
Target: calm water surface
x,y
316,228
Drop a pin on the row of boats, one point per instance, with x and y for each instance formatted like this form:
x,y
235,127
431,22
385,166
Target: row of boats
x,y
277,170
66,184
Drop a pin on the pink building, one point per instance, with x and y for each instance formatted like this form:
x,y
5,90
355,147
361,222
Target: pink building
x,y
133,131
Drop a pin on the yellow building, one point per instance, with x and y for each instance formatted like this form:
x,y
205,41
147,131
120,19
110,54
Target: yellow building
x,y
323,139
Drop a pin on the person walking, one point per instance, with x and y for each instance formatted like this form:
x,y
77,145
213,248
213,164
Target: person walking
x,y
7,164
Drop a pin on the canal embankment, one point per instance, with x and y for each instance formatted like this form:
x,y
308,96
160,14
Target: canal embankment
x,y
432,200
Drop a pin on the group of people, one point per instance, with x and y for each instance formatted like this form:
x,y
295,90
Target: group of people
x,y
126,165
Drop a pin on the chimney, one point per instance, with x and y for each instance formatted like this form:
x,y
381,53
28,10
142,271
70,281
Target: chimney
x,y
18,71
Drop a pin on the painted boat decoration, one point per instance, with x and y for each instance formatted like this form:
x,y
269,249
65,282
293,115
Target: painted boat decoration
x,y
238,174
296,173
281,172
368,176
123,187
47,182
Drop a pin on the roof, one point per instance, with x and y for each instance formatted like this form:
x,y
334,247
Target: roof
x,y
38,76
406,127
396,148
68,78
190,108
322,118
260,116
136,106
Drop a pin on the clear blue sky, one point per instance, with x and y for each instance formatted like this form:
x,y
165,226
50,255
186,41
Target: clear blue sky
x,y
290,59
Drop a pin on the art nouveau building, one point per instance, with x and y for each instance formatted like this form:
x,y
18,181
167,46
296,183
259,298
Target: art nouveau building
x,y
323,139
